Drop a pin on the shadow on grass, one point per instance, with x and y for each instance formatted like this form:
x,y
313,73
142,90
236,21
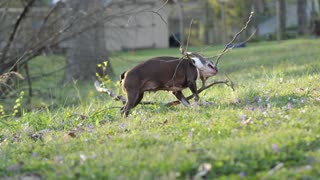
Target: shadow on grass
x,y
249,101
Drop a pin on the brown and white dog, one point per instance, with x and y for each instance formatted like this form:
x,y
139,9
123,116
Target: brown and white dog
x,y
166,73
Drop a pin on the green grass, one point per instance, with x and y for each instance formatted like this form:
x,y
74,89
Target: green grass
x,y
272,119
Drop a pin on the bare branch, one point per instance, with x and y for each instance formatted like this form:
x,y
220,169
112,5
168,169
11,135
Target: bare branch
x,y
16,26
163,5
243,42
45,20
190,26
54,39
158,14
235,37
227,47
109,92
200,90
6,75
231,82
227,50
123,100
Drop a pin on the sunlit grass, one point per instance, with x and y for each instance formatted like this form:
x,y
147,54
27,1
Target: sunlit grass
x,y
267,128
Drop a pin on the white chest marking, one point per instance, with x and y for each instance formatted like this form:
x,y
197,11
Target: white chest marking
x,y
198,73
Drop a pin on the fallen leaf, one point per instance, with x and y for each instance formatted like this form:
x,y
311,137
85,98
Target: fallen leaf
x,y
69,135
165,122
83,117
72,134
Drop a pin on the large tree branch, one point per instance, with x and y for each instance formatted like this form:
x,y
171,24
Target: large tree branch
x,y
116,97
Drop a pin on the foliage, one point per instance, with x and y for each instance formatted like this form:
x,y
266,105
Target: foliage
x,y
103,77
267,129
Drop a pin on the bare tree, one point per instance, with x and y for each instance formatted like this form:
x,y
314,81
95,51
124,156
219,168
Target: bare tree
x,y
69,25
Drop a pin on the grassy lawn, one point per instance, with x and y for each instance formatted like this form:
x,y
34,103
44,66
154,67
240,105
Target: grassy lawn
x,y
268,128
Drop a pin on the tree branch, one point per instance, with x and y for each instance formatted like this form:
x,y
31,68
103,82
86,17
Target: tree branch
x,y
123,100
202,89
227,47
15,28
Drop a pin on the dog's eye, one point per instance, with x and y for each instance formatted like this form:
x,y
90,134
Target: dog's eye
x,y
193,61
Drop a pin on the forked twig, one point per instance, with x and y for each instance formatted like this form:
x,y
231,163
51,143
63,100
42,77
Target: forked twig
x,y
243,42
227,47
238,33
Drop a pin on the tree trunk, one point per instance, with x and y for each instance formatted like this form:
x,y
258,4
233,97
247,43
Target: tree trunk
x,y
281,19
302,17
86,50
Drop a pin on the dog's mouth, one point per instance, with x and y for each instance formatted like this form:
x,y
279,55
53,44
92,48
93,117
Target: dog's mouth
x,y
212,70
212,67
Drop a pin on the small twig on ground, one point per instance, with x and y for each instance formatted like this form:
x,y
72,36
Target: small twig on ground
x,y
274,169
